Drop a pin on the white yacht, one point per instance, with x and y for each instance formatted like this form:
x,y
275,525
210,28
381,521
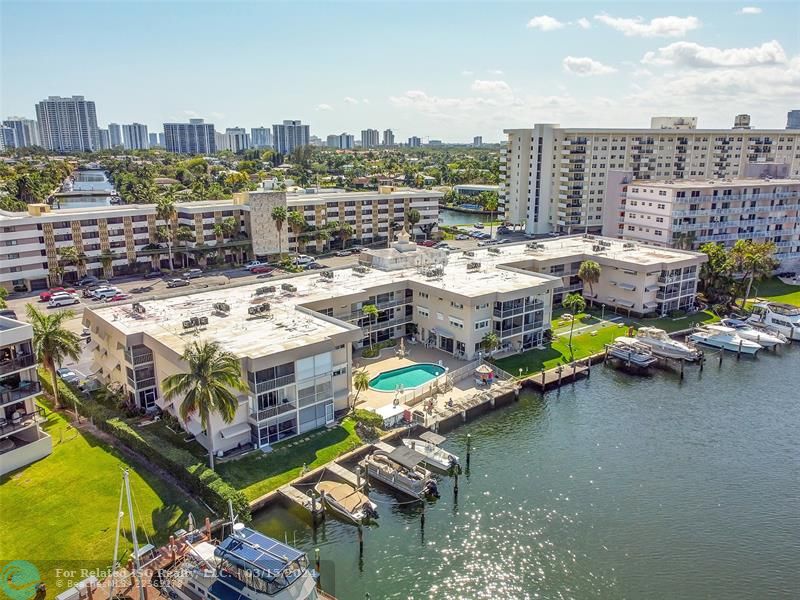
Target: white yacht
x,y
760,336
663,345
401,470
723,337
435,457
782,318
346,501
246,564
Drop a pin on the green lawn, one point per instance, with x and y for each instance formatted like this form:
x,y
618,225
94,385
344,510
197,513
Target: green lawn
x,y
61,512
259,473
777,291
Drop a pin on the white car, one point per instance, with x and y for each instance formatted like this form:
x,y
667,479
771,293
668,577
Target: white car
x,y
462,236
105,293
63,299
253,263
303,260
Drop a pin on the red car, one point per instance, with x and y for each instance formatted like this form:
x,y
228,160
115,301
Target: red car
x,y
45,296
117,297
262,269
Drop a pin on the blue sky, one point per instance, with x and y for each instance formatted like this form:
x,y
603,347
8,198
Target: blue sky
x,y
447,70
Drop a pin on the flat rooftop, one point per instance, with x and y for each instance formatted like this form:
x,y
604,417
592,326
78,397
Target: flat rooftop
x,y
721,183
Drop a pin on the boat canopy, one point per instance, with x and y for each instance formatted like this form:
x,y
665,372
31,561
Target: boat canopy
x,y
406,457
432,438
257,554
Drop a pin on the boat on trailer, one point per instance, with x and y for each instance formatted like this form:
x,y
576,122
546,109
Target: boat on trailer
x,y
346,501
428,444
401,469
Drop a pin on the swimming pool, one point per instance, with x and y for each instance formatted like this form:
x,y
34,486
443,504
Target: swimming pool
x,y
407,377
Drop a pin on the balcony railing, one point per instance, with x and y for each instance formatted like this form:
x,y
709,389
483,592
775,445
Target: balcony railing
x,y
23,390
19,421
15,364
273,411
265,386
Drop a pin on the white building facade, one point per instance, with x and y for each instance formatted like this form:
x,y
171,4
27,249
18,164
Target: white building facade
x,y
194,137
68,124
370,138
289,135
135,136
26,131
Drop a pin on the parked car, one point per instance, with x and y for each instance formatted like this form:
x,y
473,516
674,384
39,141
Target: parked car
x,y
67,375
479,225
344,253
462,236
154,274
89,291
313,266
357,249
262,269
503,229
253,264
193,273
106,293
428,243
63,299
88,280
20,287
118,297
302,260
173,283
45,296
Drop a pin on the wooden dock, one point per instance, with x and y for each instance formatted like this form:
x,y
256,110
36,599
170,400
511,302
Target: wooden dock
x,y
294,495
557,376
339,472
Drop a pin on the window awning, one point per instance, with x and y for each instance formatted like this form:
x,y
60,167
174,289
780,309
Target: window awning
x,y
235,431
651,304
443,332
625,303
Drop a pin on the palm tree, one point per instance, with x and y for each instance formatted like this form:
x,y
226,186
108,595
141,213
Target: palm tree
x,y
345,233
371,311
166,211
490,204
106,259
68,255
322,235
413,217
589,273
576,305
279,216
754,260
297,223
206,386
52,342
360,384
490,342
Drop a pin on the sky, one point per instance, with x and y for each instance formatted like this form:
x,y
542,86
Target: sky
x,y
441,70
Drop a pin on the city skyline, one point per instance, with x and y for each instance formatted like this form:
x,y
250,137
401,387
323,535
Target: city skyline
x,y
580,63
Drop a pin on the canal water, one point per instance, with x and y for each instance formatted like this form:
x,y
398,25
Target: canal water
x,y
613,487
453,217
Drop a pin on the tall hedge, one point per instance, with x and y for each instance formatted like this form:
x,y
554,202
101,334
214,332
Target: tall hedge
x,y
180,463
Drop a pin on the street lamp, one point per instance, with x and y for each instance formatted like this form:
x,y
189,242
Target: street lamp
x,y
602,312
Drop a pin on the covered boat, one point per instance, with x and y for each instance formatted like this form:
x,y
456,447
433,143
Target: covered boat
x,y
346,501
401,469
762,337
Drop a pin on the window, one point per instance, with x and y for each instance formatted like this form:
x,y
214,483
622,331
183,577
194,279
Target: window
x,y
481,324
456,305
422,294
456,322
423,312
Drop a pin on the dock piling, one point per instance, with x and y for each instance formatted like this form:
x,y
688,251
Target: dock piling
x,y
319,572
682,361
469,447
455,483
721,352
360,540
739,351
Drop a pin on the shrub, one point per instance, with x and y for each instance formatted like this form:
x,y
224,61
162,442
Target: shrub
x,y
367,417
376,348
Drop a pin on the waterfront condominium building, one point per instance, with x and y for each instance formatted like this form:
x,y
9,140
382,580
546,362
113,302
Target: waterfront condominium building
x,y
115,135
388,138
135,136
289,135
21,436
8,138
261,137
152,139
370,138
105,140
553,178
68,124
793,119
236,139
342,141
691,213
414,142
194,137
26,131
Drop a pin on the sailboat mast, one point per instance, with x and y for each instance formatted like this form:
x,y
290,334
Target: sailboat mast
x,y
136,561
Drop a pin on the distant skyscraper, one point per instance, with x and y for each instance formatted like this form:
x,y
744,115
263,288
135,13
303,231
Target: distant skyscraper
x,y
370,138
25,130
289,135
343,141
153,139
388,137
105,140
793,119
194,137
236,139
162,140
261,137
115,135
477,141
414,142
8,138
135,136
68,124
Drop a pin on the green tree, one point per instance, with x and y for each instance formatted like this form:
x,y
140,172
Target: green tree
x,y
490,342
716,280
167,212
279,216
3,296
206,386
370,311
69,255
52,342
754,261
490,204
322,235
576,305
413,217
589,274
106,259
297,223
360,384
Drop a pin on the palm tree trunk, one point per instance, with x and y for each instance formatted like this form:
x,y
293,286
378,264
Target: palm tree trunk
x,y
210,457
747,291
571,327
169,250
51,367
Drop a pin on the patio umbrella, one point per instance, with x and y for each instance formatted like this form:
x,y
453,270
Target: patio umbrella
x,y
484,370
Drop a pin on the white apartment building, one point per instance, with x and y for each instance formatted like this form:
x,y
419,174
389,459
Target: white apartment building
x,y
289,135
342,141
68,124
370,138
194,137
236,139
26,131
22,440
152,139
554,178
8,138
135,136
691,213
115,135
261,137
414,142
388,138
105,139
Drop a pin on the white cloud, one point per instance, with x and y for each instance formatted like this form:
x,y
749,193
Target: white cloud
x,y
491,87
467,73
750,10
690,54
583,66
495,72
545,23
584,23
658,27
365,100
191,113
350,100
324,107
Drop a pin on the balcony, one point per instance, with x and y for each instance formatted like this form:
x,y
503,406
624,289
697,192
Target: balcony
x,y
21,390
15,364
264,386
273,411
17,420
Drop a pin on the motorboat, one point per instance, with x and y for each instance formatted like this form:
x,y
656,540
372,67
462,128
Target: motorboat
x,y
662,345
631,351
762,337
346,501
246,564
401,469
777,317
719,336
435,457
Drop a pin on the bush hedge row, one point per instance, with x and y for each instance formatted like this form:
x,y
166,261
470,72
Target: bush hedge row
x,y
195,476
